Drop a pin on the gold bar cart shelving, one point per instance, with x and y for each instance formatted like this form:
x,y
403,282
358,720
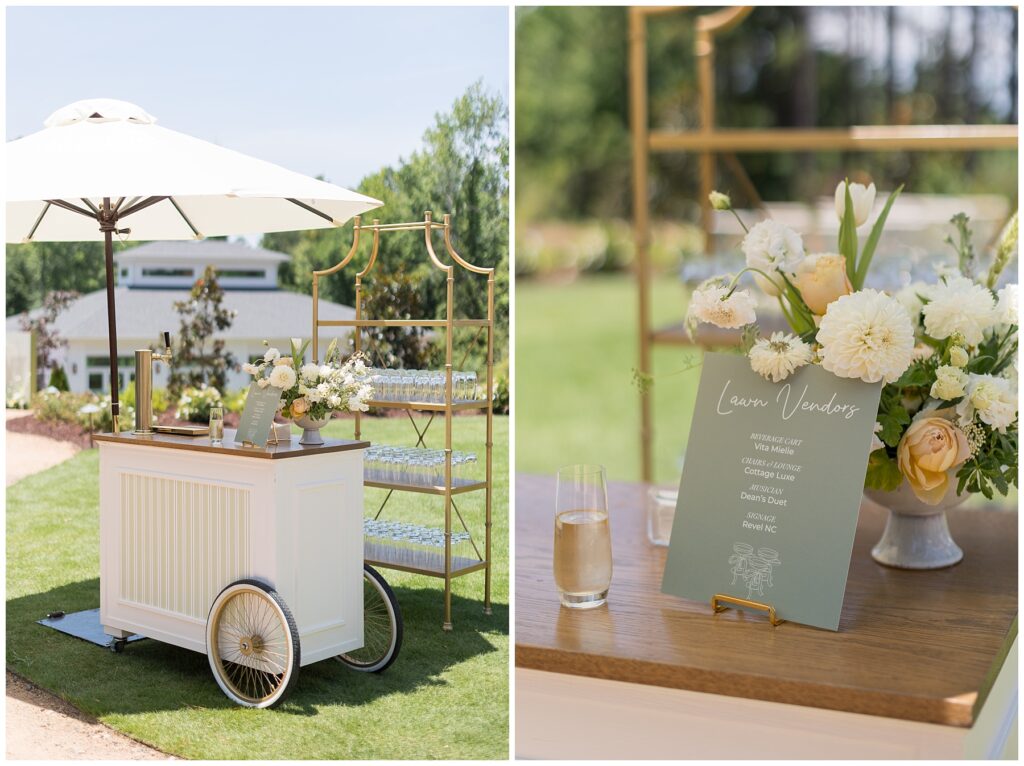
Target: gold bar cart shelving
x,y
711,143
451,488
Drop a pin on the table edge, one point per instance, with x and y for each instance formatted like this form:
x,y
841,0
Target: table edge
x,y
959,712
260,453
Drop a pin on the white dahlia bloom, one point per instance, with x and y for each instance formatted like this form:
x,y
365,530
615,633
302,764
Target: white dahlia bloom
x,y
310,371
283,377
1007,306
271,355
992,399
912,297
777,357
959,305
710,305
866,335
772,247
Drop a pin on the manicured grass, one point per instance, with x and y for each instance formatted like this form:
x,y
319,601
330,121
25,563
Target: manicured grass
x,y
445,697
575,400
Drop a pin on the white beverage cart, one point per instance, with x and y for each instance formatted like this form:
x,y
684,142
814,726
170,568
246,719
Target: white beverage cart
x,y
251,556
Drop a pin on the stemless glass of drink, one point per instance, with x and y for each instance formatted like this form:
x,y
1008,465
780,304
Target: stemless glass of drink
x,y
216,425
583,544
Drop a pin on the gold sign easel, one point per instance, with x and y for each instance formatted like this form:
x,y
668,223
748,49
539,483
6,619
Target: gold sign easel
x,y
720,601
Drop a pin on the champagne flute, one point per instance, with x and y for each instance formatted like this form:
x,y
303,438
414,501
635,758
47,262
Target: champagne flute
x,y
583,545
216,425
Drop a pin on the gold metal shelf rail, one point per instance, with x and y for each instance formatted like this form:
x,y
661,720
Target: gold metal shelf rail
x,y
450,487
710,142
860,138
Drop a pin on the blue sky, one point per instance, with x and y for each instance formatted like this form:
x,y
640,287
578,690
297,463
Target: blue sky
x,y
320,90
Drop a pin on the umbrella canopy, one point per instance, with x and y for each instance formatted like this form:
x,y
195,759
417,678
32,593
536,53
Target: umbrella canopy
x,y
170,185
102,167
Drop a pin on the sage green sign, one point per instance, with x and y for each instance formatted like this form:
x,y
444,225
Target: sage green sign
x,y
771,489
258,415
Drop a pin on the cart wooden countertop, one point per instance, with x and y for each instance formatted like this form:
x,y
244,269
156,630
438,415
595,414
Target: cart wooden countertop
x,y
919,646
202,444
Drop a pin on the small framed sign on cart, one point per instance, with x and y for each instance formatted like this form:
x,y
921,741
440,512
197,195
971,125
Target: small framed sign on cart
x,y
256,424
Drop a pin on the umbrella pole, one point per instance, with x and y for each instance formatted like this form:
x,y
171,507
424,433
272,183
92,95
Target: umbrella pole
x,y
108,221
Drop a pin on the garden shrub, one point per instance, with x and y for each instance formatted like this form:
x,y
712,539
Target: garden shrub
x,y
59,379
234,401
194,404
501,396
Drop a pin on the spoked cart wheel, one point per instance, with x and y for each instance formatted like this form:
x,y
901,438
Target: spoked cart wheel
x,y
382,626
253,644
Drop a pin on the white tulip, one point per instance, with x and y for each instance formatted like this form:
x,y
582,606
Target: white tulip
x,y
863,199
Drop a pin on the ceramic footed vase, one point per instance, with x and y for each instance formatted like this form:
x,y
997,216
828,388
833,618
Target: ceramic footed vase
x,y
311,429
916,534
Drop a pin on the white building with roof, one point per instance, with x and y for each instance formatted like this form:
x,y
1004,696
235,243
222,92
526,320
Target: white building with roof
x,y
151,278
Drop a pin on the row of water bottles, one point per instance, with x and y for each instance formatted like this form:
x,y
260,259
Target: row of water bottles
x,y
421,385
411,544
415,465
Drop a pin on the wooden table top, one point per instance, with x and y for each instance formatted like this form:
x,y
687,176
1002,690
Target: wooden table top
x,y
919,646
287,449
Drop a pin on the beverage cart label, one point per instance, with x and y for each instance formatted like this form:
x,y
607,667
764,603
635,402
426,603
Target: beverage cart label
x,y
258,415
771,489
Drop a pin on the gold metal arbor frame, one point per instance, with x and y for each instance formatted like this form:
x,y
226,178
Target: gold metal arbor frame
x,y
451,487
711,143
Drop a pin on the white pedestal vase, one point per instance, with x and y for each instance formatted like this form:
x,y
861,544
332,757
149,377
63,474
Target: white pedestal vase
x,y
916,535
311,429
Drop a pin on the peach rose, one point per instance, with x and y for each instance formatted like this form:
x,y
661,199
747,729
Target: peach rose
x,y
927,451
822,279
299,407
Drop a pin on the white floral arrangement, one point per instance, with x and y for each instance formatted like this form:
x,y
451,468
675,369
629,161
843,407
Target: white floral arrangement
x,y
946,352
312,390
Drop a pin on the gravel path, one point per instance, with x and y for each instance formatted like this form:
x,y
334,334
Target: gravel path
x,y
40,725
28,454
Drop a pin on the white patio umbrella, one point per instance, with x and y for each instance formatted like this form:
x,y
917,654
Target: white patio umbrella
x,y
102,167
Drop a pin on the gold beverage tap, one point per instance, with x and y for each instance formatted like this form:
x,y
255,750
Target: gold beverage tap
x,y
144,359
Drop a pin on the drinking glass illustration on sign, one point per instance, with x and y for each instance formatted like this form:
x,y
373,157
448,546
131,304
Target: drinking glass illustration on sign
x,y
755,569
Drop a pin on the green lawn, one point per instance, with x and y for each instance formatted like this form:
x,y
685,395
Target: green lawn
x,y
445,697
575,401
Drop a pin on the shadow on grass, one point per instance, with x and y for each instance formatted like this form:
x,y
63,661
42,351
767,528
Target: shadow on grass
x,y
153,676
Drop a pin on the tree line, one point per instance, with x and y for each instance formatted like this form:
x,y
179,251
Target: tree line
x,y
461,168
796,67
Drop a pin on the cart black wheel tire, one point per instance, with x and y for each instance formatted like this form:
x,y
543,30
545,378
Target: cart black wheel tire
x,y
252,644
382,626
117,645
